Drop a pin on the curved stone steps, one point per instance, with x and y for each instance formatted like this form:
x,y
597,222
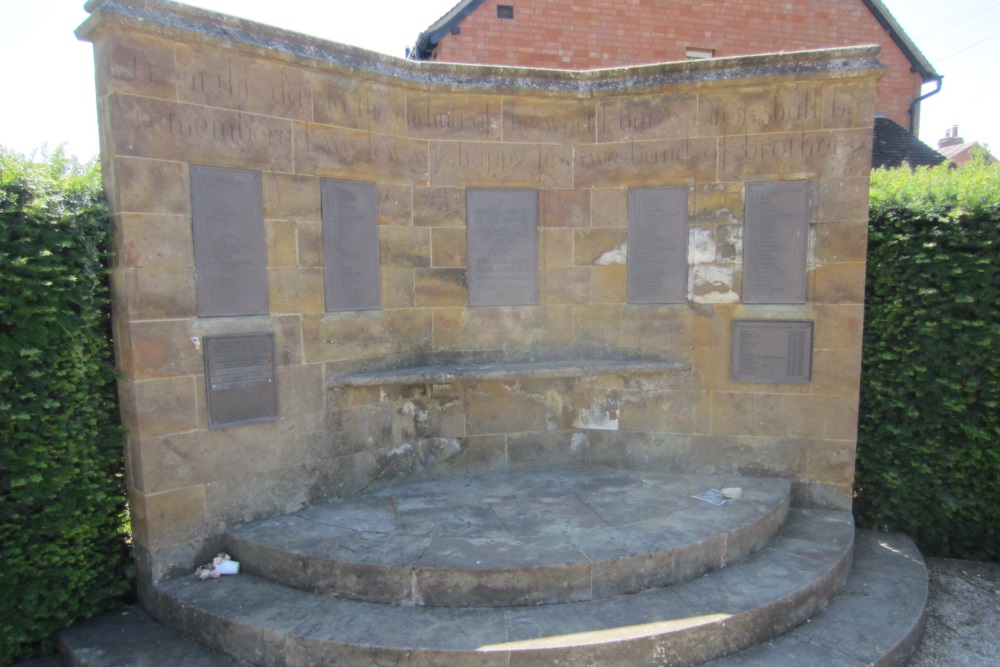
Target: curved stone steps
x,y
504,540
875,619
728,610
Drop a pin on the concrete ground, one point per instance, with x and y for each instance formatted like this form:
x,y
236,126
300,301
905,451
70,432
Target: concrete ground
x,y
963,620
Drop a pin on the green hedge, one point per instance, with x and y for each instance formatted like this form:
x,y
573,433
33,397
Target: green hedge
x,y
63,552
929,436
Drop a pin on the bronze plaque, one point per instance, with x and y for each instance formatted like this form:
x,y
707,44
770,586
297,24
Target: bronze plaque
x,y
239,374
350,245
230,253
772,351
775,240
657,245
503,247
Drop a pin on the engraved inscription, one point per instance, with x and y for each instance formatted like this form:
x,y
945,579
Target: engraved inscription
x,y
229,243
657,245
612,165
450,117
784,108
472,163
772,351
756,155
216,79
164,130
659,117
503,247
239,373
327,149
350,245
775,242
548,122
359,106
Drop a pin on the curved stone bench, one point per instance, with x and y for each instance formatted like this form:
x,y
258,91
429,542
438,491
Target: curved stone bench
x,y
444,373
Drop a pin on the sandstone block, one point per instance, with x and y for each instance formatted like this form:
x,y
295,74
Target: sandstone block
x,y
480,164
453,116
548,121
358,105
145,127
151,186
217,78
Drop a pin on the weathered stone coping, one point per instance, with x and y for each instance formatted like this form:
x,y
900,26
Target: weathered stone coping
x,y
178,21
447,373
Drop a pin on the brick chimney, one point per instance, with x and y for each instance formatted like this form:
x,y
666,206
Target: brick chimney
x,y
951,138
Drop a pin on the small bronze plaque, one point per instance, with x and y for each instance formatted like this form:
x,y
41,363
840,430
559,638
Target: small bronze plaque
x,y
503,247
350,245
772,351
775,241
657,245
239,374
230,253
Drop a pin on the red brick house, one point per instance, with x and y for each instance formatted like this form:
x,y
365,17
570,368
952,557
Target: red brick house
x,y
589,34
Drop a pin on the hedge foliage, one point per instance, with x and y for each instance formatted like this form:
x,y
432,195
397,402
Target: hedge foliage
x,y
63,552
929,437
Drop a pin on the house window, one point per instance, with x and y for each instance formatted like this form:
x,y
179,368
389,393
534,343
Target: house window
x,y
505,11
699,54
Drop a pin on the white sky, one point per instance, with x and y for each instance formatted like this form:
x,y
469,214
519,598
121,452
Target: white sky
x,y
47,76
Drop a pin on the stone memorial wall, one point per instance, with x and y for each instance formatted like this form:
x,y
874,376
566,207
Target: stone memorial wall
x,y
336,269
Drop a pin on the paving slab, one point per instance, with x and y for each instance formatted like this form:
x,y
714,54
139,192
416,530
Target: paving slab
x,y
131,638
506,539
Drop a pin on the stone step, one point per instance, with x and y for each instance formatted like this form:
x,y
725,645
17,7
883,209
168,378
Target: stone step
x,y
506,540
877,618
728,610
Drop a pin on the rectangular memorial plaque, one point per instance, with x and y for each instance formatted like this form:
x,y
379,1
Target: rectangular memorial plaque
x,y
239,374
772,351
350,245
503,247
775,241
657,245
230,253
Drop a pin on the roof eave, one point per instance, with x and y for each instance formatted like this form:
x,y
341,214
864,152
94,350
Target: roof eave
x,y
921,65
428,40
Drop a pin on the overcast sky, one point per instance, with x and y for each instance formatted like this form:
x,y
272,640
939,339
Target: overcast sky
x,y
47,84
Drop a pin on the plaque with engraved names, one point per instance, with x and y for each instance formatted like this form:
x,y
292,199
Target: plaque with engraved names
x,y
350,245
503,247
657,245
772,351
775,241
230,252
239,374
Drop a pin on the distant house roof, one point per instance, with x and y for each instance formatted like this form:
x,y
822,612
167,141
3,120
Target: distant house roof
x,y
893,145
962,152
428,40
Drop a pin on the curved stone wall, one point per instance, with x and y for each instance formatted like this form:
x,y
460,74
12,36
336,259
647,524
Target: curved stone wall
x,y
267,367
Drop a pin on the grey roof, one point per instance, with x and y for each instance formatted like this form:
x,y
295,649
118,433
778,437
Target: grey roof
x,y
893,145
428,40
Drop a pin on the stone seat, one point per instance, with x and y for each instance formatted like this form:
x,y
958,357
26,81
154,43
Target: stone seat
x,y
541,537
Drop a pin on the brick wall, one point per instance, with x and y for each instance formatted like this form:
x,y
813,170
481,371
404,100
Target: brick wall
x,y
614,33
